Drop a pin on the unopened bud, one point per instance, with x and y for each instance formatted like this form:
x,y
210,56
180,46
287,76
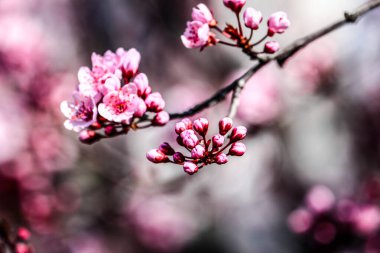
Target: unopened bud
x,y
217,141
201,126
166,149
237,149
271,47
161,118
178,157
190,168
89,137
198,152
156,156
225,125
238,133
221,158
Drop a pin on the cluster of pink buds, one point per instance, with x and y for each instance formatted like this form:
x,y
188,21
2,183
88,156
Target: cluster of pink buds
x,y
203,151
198,32
113,97
326,221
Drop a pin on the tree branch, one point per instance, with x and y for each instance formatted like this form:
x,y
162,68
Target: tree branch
x,y
237,85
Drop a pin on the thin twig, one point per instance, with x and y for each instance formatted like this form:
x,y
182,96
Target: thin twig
x,y
280,58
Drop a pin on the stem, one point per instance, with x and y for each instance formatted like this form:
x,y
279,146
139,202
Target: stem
x,y
239,23
227,44
255,44
250,35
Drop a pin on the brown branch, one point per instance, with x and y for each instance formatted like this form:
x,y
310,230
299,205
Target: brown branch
x,y
237,85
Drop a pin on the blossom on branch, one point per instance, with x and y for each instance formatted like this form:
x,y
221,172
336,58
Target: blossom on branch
x,y
113,96
202,151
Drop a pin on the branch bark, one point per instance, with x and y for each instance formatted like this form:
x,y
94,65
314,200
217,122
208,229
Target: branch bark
x,y
238,85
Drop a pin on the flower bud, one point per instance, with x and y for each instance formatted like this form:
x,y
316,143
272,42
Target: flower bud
x,y
271,47
140,108
198,152
237,149
110,130
203,14
142,83
252,18
225,125
89,137
131,62
166,149
156,156
178,157
234,5
183,125
277,23
190,168
217,141
238,133
221,158
189,139
155,102
161,118
201,126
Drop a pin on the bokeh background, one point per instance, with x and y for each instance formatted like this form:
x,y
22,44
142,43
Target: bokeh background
x,y
315,124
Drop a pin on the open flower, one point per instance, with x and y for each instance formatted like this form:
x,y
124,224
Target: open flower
x,y
119,106
203,14
196,34
81,113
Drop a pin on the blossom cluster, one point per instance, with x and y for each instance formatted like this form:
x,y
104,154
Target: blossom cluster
x,y
113,96
326,220
198,33
203,151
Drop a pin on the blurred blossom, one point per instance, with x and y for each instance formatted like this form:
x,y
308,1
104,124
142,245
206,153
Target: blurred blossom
x,y
261,101
320,199
160,225
312,65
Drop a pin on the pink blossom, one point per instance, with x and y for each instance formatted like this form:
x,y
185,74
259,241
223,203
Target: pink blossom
x,y
142,83
189,139
278,22
190,168
300,221
221,158
271,47
81,113
156,156
119,106
238,133
252,18
320,199
198,152
217,141
161,118
234,5
200,126
196,35
237,149
183,125
22,248
155,102
225,125
203,14
23,234
140,108
367,220
131,61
